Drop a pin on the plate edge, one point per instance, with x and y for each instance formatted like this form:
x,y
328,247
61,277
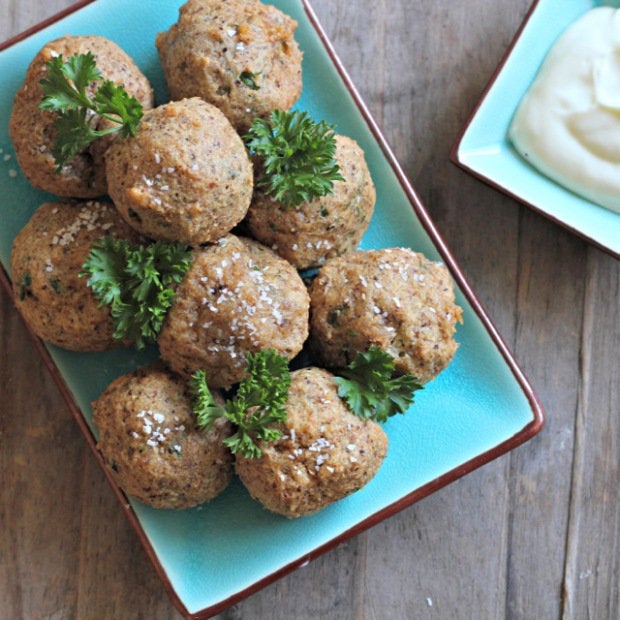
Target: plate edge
x,y
48,21
455,150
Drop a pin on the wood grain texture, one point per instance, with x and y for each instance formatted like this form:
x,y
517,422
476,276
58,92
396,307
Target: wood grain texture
x,y
534,534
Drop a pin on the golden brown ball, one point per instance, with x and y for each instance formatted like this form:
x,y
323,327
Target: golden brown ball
x,y
239,55
151,445
238,297
32,130
394,298
46,259
325,452
310,233
185,176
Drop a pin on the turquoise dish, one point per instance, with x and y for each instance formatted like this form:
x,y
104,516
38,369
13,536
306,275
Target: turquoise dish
x,y
483,148
481,407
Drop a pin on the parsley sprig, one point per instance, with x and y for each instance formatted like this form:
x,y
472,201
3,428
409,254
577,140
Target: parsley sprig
x,y
258,404
370,388
65,90
137,282
297,156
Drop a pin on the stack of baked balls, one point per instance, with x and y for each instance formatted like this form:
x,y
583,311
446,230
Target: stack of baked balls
x,y
184,175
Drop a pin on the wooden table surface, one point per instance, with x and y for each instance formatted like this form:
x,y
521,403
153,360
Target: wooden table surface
x,y
534,534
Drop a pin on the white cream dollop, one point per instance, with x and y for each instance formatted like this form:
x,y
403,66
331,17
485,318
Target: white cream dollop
x,y
568,123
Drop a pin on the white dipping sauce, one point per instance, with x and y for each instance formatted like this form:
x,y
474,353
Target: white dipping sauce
x,y
568,123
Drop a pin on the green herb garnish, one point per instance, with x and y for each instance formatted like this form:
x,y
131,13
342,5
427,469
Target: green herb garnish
x,y
249,79
24,284
297,156
55,284
206,408
65,92
137,282
370,388
259,403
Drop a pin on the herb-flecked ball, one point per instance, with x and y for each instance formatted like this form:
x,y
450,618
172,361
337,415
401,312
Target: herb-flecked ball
x,y
239,55
310,233
238,297
185,176
151,444
325,452
46,260
33,132
393,298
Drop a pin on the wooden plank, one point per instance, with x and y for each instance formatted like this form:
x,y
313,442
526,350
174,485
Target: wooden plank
x,y
592,581
40,449
551,287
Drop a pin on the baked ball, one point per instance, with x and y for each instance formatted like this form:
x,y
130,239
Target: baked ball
x,y
325,453
239,55
32,130
393,298
309,234
185,176
237,297
46,259
150,443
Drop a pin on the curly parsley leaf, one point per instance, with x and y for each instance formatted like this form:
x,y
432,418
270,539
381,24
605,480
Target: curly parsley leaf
x,y
258,405
206,408
297,156
137,282
370,388
115,103
65,85
73,135
65,91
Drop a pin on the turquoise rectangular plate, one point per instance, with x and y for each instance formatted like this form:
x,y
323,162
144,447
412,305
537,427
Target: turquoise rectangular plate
x,y
484,150
479,408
